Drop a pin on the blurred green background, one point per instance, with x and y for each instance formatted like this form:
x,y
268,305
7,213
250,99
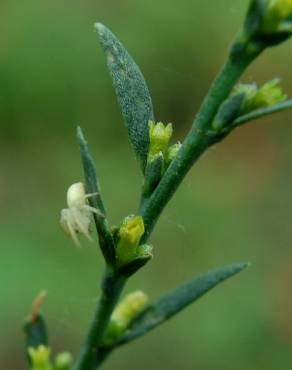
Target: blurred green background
x,y
234,205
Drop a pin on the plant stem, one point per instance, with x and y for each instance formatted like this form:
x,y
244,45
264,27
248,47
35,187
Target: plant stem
x,y
195,143
112,287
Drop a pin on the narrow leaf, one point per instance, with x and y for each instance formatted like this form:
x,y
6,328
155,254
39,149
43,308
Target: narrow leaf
x,y
36,332
35,329
228,111
153,173
262,112
92,187
175,301
131,89
144,256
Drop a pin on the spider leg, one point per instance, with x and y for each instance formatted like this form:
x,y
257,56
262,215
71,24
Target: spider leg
x,y
81,226
93,210
91,195
73,234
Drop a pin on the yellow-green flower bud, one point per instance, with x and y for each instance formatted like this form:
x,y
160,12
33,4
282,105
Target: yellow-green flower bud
x,y
159,135
127,310
249,91
172,152
63,361
268,23
278,16
282,7
269,94
40,357
266,96
129,236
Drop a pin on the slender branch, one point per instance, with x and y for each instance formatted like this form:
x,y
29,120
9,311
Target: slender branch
x,y
196,142
112,287
171,304
259,113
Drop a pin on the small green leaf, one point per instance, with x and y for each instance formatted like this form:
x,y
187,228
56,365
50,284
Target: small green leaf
x,y
131,89
92,186
35,327
254,17
35,332
63,361
262,112
153,174
268,22
175,301
228,111
144,255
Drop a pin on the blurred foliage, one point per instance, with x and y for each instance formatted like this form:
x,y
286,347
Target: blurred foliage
x,y
235,205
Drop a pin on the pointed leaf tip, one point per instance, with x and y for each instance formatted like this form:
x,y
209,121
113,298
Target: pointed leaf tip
x,y
131,90
101,29
92,186
98,26
178,299
79,132
35,326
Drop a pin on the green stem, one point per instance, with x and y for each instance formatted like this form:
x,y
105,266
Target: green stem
x,y
112,287
195,143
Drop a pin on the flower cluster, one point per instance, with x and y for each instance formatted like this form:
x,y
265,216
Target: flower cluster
x,y
269,22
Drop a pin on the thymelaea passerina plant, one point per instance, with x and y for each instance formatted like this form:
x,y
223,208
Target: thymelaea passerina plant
x,y
163,164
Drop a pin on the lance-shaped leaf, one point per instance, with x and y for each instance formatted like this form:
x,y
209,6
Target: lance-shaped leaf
x,y
175,301
144,255
228,111
153,173
262,112
35,329
131,89
92,187
36,332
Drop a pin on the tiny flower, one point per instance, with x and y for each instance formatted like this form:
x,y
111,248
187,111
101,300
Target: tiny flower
x,y
249,92
268,22
131,230
40,357
172,152
159,138
247,98
129,235
124,314
266,96
278,16
269,94
63,361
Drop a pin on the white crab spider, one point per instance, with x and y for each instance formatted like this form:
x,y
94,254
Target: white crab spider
x,y
77,217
